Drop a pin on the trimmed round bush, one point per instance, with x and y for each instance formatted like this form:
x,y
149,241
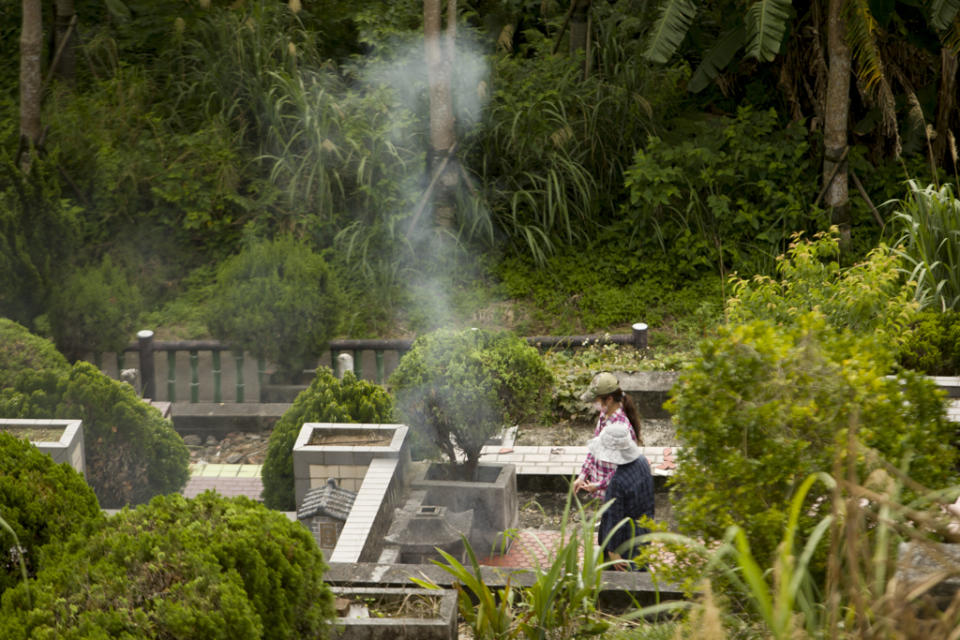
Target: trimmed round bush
x,y
131,452
456,388
94,309
22,351
41,501
278,300
207,568
327,399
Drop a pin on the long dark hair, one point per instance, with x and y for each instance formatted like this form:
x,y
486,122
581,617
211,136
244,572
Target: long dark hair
x,y
630,409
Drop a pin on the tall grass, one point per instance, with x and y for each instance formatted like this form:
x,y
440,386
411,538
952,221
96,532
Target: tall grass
x,y
930,219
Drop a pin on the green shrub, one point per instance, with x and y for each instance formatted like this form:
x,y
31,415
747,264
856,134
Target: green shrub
x,y
22,351
731,187
95,309
278,300
455,389
930,219
131,451
868,298
182,569
41,501
932,344
327,399
765,406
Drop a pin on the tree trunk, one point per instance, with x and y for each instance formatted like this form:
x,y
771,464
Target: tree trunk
x,y
578,25
836,115
946,101
65,42
31,48
442,138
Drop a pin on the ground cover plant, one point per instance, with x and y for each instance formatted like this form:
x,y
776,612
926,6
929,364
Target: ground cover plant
x,y
209,567
327,399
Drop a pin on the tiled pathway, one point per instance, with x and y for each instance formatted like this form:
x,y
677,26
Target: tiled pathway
x,y
227,479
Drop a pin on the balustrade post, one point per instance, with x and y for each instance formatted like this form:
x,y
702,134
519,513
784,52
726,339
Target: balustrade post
x,y
238,357
147,373
640,335
261,373
172,375
378,355
217,396
194,377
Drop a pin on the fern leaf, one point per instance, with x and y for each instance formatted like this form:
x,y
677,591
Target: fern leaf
x,y
942,13
717,58
766,25
670,29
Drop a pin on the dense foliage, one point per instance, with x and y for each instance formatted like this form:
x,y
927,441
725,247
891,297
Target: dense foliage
x,y
94,309
278,300
723,192
41,501
932,345
764,406
868,298
22,351
455,389
207,568
327,399
776,394
131,451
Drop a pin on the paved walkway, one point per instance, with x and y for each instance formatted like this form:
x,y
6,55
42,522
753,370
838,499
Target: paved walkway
x,y
226,479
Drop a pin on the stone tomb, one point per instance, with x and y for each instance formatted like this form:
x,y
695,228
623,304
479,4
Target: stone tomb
x,y
343,452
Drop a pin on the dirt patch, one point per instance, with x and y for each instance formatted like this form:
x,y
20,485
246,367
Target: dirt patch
x,y
35,434
357,438
570,434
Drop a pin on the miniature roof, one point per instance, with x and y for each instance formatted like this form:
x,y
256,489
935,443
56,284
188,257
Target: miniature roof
x,y
328,500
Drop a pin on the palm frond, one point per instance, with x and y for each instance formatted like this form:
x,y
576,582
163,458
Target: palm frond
x,y
942,13
862,35
670,29
766,25
951,37
717,58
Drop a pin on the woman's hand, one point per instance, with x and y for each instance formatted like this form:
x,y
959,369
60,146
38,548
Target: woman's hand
x,y
619,563
582,485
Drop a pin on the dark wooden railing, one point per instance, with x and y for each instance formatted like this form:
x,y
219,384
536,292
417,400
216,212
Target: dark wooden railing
x,y
146,347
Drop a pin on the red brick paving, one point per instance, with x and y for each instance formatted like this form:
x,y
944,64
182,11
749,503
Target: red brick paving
x,y
228,487
530,547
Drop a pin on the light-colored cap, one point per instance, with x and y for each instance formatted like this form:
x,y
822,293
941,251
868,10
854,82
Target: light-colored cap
x,y
602,384
614,444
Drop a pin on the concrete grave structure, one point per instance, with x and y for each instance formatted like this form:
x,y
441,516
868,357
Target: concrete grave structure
x,y
68,448
343,452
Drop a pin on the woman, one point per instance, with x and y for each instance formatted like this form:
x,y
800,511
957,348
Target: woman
x,y
630,494
615,407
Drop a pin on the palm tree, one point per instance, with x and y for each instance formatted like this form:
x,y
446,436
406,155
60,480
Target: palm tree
x,y
851,32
